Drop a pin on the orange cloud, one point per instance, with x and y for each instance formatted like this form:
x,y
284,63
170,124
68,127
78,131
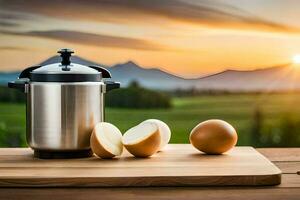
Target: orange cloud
x,y
98,40
205,13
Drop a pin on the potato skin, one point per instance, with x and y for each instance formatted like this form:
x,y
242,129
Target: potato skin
x,y
145,148
213,136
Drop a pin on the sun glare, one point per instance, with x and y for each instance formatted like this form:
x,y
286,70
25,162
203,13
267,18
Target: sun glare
x,y
296,59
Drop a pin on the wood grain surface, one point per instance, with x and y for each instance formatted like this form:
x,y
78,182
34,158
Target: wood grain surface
x,y
177,165
289,189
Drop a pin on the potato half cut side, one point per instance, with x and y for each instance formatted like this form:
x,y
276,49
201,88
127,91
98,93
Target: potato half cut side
x,y
164,130
106,140
142,140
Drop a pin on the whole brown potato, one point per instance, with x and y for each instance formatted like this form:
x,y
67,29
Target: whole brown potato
x,y
213,136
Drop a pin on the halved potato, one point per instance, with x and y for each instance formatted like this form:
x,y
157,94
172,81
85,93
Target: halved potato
x,y
106,140
142,140
164,130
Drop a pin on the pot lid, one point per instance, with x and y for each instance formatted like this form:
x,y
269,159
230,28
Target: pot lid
x,y
65,71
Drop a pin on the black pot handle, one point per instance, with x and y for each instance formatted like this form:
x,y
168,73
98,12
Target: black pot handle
x,y
26,72
19,84
110,85
105,73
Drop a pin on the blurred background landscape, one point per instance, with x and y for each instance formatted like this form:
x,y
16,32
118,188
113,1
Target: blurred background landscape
x,y
181,61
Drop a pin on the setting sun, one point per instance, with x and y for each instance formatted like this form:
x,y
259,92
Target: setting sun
x,y
296,59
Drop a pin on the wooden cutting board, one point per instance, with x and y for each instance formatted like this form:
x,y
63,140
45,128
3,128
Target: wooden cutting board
x,y
177,165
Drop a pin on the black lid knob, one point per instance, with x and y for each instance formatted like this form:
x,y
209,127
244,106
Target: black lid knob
x,y
65,54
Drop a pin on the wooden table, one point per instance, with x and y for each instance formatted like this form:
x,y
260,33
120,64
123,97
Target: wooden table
x,y
287,159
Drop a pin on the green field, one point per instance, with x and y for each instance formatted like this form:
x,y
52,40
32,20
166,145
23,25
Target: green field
x,y
185,114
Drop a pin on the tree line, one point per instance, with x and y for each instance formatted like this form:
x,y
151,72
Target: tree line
x,y
134,96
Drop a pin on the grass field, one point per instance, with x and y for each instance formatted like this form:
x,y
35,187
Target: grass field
x,y
185,114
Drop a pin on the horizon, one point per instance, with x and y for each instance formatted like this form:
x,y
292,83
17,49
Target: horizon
x,y
159,68
187,38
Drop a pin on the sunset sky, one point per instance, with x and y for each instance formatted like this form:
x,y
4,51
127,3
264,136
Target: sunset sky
x,y
189,38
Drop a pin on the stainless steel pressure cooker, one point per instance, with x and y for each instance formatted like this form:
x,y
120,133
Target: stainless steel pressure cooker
x,y
64,102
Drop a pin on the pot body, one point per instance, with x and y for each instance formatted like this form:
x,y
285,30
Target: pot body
x,y
61,116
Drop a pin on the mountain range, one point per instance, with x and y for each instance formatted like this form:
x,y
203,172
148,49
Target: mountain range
x,y
283,77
